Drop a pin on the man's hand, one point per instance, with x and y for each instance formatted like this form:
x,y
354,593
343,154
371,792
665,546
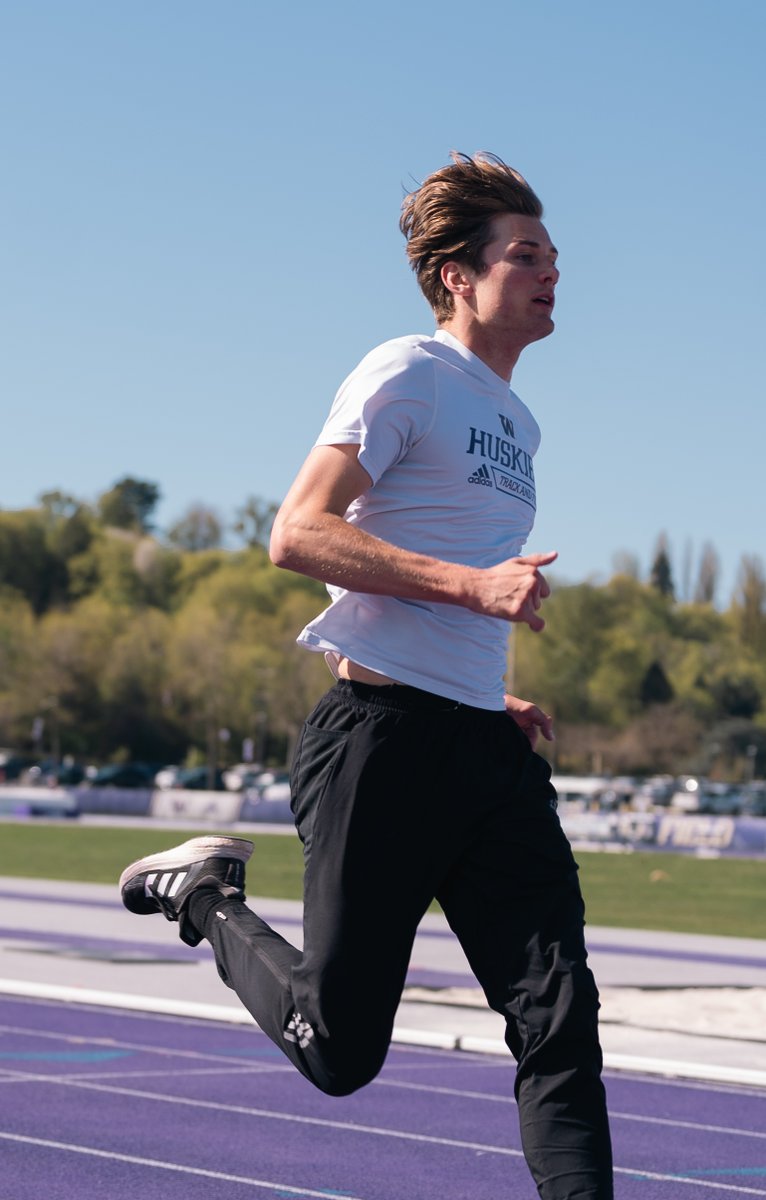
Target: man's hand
x,y
515,589
529,718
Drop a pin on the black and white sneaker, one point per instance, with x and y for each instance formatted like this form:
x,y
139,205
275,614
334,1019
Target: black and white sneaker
x,y
164,882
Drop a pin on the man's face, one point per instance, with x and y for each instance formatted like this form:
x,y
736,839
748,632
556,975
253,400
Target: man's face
x,y
513,296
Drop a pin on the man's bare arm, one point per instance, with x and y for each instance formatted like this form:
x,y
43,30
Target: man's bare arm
x,y
310,536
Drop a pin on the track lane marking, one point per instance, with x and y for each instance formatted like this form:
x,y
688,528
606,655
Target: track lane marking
x,y
697,1126
117,1044
660,1178
272,1115
158,1164
257,1069
640,1118
343,1126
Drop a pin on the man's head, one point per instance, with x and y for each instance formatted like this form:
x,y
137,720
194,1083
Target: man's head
x,y
450,217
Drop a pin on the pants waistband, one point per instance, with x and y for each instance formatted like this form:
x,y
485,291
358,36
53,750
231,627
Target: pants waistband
x,y
397,697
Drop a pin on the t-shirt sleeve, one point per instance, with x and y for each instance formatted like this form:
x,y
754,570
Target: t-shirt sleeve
x,y
385,406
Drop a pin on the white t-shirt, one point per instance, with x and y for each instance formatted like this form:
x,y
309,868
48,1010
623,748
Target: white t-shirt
x,y
449,449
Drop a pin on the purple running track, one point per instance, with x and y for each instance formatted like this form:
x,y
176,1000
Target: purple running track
x,y
98,1102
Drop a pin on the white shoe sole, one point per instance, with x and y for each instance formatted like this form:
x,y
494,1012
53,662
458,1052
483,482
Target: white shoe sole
x,y
194,851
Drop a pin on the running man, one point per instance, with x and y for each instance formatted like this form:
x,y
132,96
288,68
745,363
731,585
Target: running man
x,y
415,776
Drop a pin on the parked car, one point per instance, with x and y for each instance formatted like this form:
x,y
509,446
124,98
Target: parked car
x,y
274,786
579,791
697,795
268,799
174,776
655,792
241,776
167,777
197,779
122,775
754,795
55,774
12,765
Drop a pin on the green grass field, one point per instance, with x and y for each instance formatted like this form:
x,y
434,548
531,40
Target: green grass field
x,y
724,896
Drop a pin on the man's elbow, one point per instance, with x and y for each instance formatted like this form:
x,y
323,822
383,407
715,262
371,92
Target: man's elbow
x,y
279,545
284,543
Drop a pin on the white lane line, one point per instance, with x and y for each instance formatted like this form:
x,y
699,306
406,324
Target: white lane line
x,y
329,1195
226,1062
684,1070
158,1164
493,1098
344,1126
674,1123
257,1073
402,1036
273,1115
431,1089
84,1040
463,1093
660,1178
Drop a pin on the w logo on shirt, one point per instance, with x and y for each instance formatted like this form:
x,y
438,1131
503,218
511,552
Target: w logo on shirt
x,y
482,476
507,425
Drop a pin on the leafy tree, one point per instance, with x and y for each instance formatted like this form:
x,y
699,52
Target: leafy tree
x,y
254,521
661,575
636,632
135,692
665,739
199,528
69,526
123,643
196,566
707,578
205,674
233,659
685,591
749,607
554,668
129,504
699,623
655,686
72,535
159,569
126,569
27,563
728,746
737,695
246,583
17,651
625,563
59,505
108,569
73,648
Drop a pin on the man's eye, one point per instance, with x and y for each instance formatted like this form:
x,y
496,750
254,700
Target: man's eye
x,y
526,257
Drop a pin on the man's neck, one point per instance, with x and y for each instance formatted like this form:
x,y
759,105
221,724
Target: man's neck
x,y
499,356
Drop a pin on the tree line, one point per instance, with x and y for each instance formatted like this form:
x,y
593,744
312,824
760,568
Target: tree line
x,y
118,641
642,683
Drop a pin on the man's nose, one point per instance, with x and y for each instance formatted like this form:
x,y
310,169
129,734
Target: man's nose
x,y
550,273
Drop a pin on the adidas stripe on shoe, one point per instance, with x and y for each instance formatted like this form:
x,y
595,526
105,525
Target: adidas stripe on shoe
x,y
164,882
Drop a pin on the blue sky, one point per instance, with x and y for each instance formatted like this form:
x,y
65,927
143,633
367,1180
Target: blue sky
x,y
200,239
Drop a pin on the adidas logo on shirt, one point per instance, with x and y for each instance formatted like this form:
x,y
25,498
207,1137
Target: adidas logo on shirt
x,y
481,476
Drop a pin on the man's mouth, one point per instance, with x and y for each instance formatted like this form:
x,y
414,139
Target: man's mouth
x,y
546,300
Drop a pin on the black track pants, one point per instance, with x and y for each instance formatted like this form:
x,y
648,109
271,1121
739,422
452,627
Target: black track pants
x,y
399,797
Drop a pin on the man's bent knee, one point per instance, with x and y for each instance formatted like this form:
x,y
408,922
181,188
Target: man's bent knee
x,y
338,1067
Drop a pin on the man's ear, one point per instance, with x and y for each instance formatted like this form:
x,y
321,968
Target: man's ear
x,y
455,279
